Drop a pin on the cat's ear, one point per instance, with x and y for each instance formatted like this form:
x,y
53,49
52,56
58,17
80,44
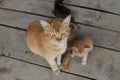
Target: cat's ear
x,y
87,46
44,24
66,21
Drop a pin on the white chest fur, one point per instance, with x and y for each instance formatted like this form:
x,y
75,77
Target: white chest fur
x,y
58,48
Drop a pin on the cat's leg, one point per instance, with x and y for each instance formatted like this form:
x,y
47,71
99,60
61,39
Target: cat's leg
x,y
84,59
59,60
54,66
65,61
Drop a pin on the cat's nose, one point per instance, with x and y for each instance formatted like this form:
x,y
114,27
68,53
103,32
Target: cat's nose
x,y
59,39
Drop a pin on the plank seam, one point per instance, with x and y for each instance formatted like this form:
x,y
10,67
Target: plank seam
x,y
54,17
1,1
17,28
107,48
26,12
46,67
100,10
25,30
85,7
97,27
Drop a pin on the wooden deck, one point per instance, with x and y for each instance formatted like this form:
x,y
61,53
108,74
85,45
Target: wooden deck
x,y
98,18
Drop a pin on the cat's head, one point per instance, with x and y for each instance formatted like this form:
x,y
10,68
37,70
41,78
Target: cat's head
x,y
57,30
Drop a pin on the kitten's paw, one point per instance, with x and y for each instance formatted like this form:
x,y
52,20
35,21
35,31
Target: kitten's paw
x,y
63,67
83,63
57,72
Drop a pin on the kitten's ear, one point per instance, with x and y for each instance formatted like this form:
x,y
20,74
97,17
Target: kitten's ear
x,y
66,21
44,24
87,46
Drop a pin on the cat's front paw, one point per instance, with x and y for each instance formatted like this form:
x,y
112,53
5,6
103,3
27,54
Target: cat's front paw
x,y
83,62
57,72
63,67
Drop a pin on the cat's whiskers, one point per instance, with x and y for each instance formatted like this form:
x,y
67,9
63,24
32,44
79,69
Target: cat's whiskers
x,y
56,48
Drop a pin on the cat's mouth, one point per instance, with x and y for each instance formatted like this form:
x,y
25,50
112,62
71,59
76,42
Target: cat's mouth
x,y
60,43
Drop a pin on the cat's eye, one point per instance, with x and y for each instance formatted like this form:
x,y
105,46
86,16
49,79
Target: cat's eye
x,y
64,33
53,35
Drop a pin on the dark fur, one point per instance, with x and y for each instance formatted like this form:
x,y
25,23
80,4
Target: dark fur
x,y
62,11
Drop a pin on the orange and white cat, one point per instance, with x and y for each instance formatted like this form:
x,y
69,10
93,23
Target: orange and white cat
x,y
49,40
77,46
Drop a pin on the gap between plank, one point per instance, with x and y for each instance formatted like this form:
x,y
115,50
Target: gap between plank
x,y
97,27
54,17
1,1
46,67
100,10
90,8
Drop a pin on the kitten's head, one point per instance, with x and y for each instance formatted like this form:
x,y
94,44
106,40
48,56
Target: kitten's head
x,y
57,30
78,51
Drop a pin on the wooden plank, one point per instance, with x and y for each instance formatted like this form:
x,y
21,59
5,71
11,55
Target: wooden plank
x,y
91,17
101,37
17,70
106,5
102,64
17,19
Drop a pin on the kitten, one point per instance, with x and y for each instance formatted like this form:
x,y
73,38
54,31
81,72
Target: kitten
x,y
49,40
78,46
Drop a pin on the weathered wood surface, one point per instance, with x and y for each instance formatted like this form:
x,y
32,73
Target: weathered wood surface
x,y
107,5
0,0
101,37
91,17
102,64
16,70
